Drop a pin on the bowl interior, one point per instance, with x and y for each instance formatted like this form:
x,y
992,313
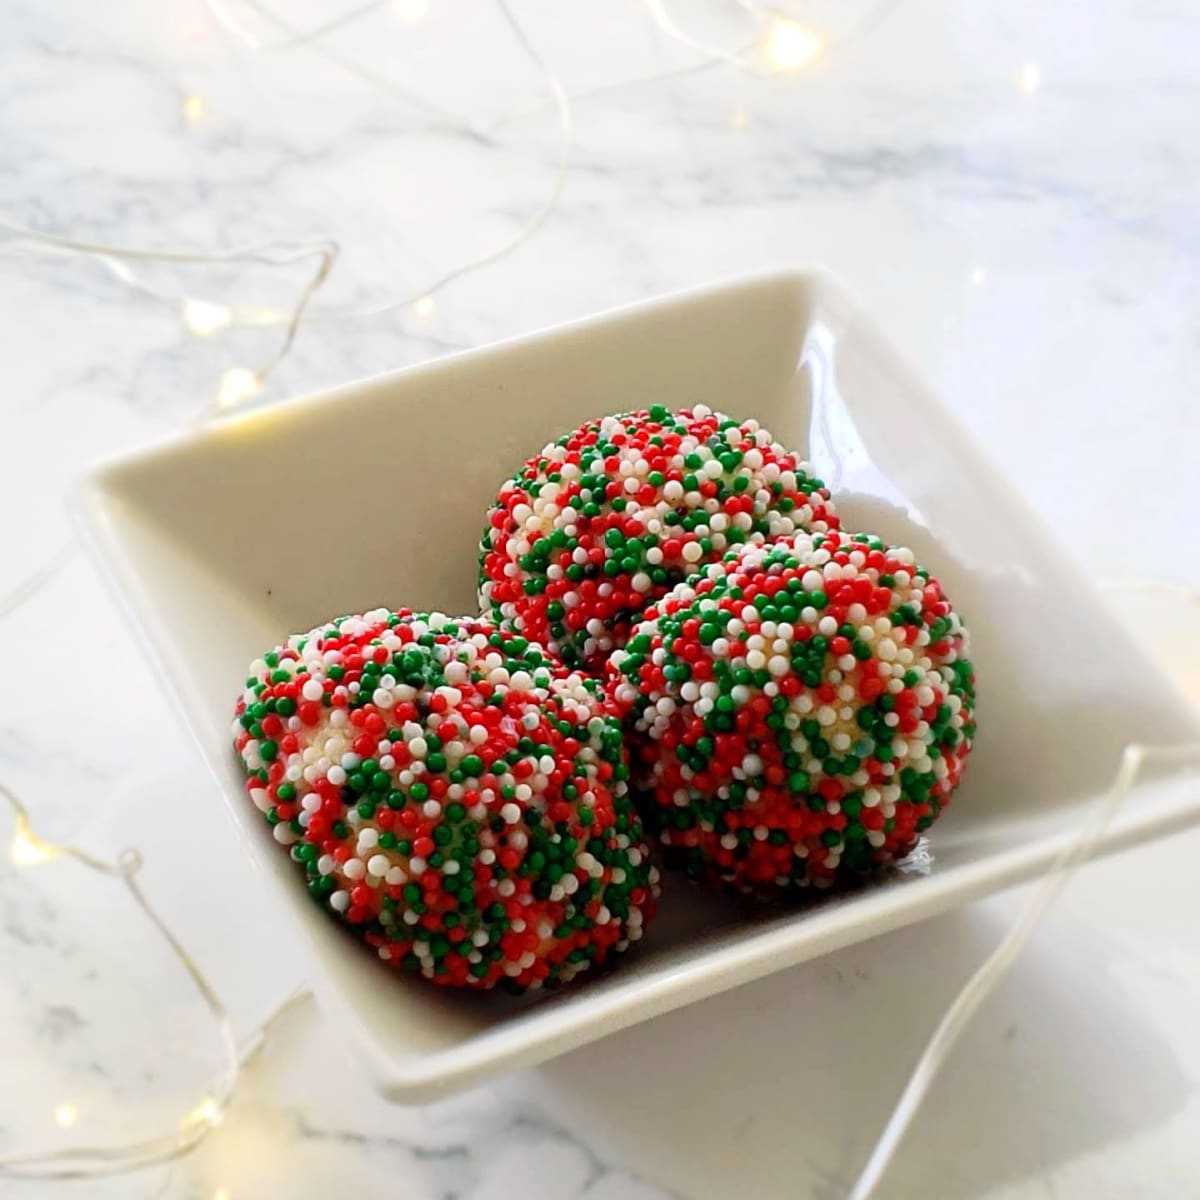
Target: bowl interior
x,y
226,540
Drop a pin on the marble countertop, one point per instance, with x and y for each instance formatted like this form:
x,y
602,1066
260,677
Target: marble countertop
x,y
1011,190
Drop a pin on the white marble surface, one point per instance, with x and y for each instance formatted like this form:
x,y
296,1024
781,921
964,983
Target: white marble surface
x,y
1012,190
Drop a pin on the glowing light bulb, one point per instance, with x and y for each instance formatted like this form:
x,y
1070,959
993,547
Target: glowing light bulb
x,y
738,118
207,1112
424,308
222,1193
237,385
65,1115
195,109
28,850
204,318
1029,78
791,46
411,11
979,277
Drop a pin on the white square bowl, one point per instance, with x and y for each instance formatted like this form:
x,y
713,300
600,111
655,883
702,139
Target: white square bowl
x,y
224,540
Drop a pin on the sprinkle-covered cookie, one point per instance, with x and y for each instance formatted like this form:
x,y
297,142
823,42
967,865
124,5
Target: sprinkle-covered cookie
x,y
453,794
610,517
799,712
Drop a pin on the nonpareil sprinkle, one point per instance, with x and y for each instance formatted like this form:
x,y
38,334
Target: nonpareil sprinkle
x,y
452,793
794,719
610,517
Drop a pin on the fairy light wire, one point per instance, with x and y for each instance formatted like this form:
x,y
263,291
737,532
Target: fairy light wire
x,y
557,96
328,257
666,23
442,118
294,37
535,223
89,1162
987,976
37,579
534,107
30,849
736,56
117,258
566,124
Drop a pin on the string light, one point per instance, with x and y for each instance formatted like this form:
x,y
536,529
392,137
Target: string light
x,y
195,109
411,11
237,385
983,982
978,276
786,46
117,259
738,118
558,94
28,850
207,1114
240,383
65,1115
204,318
791,46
